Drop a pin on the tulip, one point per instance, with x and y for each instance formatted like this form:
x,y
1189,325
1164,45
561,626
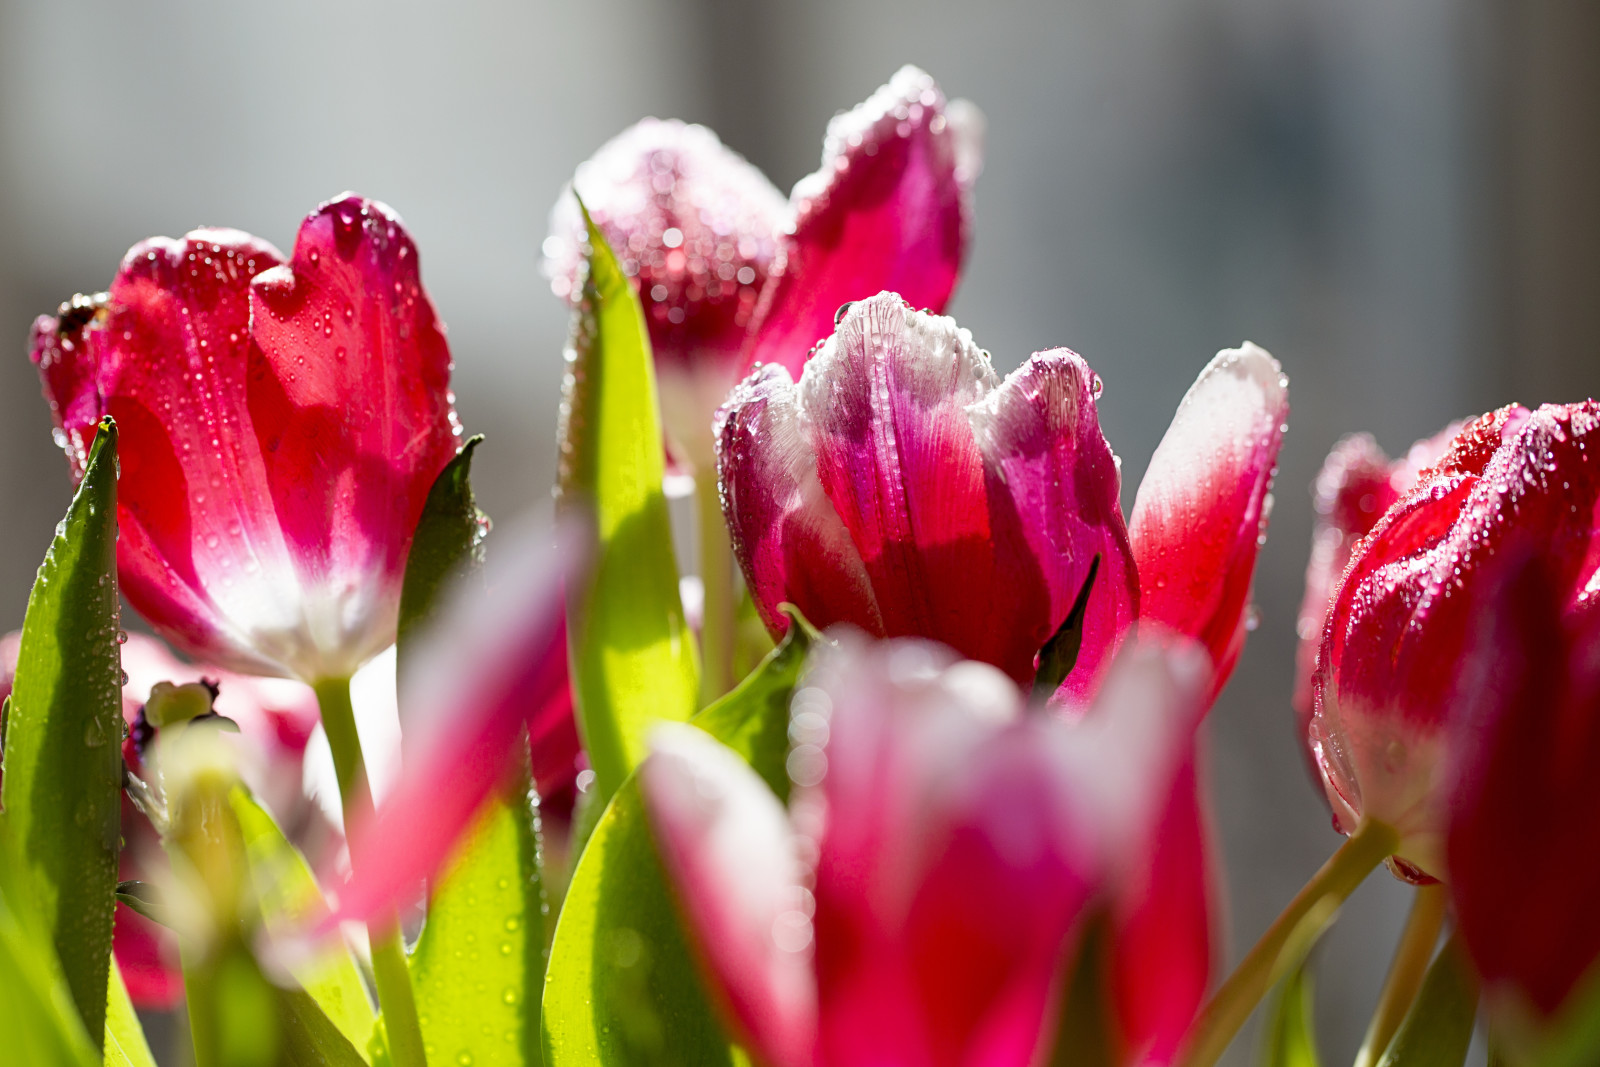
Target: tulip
x,y
729,271
1395,641
282,423
1519,796
941,852
1356,485
903,488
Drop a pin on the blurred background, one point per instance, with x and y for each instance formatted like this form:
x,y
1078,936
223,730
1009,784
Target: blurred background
x,y
1398,198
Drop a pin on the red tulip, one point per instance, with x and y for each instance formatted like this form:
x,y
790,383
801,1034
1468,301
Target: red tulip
x,y
729,271
1394,643
1519,786
958,844
282,423
1357,484
903,488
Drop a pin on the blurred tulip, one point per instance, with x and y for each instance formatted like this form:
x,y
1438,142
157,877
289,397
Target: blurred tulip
x,y
1519,791
1356,485
1394,644
282,423
942,849
730,272
903,488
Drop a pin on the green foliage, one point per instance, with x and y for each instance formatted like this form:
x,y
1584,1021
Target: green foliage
x,y
633,655
1086,1034
478,969
1290,1038
622,987
447,541
1438,1028
63,758
125,1042
288,896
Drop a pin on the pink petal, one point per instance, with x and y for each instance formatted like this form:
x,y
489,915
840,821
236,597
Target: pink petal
x,y
789,541
490,664
733,857
1394,646
1357,484
62,347
1519,792
1054,492
890,208
1201,511
696,228
886,400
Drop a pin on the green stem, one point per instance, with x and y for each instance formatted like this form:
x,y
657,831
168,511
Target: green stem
x,y
1410,963
1232,1004
389,970
718,626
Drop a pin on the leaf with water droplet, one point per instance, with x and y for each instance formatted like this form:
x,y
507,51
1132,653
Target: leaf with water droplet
x,y
633,653
622,986
62,780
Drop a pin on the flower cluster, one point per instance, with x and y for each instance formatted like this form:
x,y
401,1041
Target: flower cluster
x,y
954,812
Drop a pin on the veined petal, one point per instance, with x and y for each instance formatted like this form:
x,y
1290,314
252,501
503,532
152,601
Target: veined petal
x,y
890,208
733,858
349,395
696,228
886,399
487,666
790,542
1201,511
1054,502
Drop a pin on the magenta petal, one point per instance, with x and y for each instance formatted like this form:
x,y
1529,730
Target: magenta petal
x,y
733,858
696,228
788,539
490,664
1202,507
889,209
1044,454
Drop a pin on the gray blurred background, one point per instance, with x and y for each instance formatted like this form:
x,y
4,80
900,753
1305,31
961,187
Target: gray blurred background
x,y
1399,198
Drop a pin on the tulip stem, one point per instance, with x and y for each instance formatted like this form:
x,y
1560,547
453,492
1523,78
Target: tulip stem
x,y
1314,905
390,973
1410,963
718,622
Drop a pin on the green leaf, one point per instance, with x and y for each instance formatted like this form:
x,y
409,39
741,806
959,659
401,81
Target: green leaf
x,y
447,542
1060,654
125,1042
38,1021
288,895
1438,1028
63,757
622,987
1085,1033
1290,1038
633,655
478,968
1573,1038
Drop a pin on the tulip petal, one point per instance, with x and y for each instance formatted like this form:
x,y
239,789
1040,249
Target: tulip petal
x,y
1521,799
1201,511
1396,633
486,666
1046,458
788,539
732,853
890,208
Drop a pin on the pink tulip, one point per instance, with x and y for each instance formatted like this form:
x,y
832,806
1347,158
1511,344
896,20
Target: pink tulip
x,y
918,901
1393,647
281,424
1519,795
729,271
1357,484
903,488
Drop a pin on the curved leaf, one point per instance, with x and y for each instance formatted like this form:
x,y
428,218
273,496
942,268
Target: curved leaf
x,y
478,968
447,541
1438,1028
633,655
125,1042
622,986
63,758
1290,1038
